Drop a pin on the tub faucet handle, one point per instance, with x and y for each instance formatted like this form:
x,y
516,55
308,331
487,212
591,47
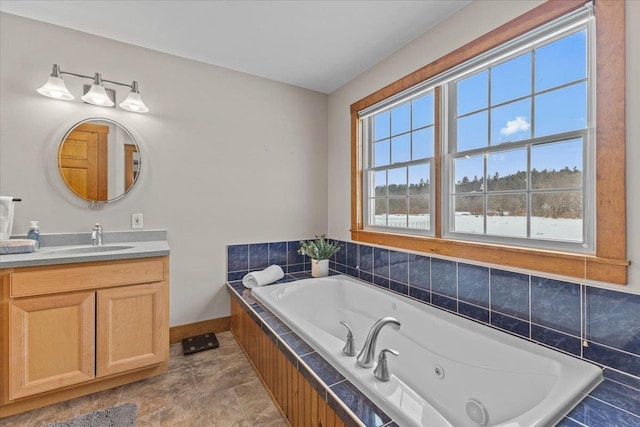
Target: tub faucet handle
x,y
381,372
350,346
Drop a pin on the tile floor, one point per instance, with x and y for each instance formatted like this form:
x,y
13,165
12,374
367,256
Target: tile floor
x,y
211,388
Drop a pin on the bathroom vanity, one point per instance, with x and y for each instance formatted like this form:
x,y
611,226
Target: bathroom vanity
x,y
76,320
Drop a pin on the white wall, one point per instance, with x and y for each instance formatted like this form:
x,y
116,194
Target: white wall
x,y
476,19
226,157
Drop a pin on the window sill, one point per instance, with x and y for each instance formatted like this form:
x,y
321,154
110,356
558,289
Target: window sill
x,y
545,261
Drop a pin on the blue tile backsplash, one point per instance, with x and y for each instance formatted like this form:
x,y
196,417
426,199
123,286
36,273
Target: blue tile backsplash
x,y
605,307
510,293
473,284
398,266
443,277
554,313
381,262
258,256
556,304
420,271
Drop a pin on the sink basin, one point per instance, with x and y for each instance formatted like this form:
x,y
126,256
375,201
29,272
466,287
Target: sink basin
x,y
89,249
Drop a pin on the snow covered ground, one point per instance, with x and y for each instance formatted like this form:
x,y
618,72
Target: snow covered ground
x,y
513,226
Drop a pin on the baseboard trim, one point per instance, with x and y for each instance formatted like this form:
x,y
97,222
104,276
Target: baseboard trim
x,y
178,333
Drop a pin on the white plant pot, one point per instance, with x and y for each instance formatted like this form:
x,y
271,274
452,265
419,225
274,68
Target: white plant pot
x,y
319,268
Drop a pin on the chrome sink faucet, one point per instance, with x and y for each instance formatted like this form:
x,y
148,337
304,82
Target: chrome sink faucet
x,y
96,235
367,354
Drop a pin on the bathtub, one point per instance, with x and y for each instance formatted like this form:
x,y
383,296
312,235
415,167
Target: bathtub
x,y
450,372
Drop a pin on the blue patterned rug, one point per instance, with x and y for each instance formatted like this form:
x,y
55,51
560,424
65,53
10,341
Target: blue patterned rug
x,y
118,416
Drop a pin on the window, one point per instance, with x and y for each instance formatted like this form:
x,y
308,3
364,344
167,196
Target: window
x,y
520,135
492,157
400,157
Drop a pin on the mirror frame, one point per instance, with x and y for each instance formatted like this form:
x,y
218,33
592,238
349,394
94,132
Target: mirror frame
x,y
127,132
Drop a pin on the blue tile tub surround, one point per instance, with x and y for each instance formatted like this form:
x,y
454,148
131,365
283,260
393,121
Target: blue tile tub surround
x,y
473,284
352,255
366,259
420,271
618,395
258,256
556,304
293,257
420,294
510,324
556,339
398,287
615,402
296,344
551,312
510,293
366,410
381,262
620,360
399,266
278,253
244,258
323,369
473,312
444,277
604,308
593,412
238,258
447,303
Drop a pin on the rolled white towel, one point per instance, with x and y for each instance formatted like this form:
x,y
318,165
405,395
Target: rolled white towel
x,y
271,274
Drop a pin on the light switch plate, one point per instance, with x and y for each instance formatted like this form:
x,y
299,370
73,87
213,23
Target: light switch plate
x,y
136,220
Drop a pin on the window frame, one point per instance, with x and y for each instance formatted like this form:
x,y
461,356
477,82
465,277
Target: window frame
x,y
608,263
369,166
565,27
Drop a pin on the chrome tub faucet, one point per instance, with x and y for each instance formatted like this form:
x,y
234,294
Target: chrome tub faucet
x,y
382,371
350,348
367,354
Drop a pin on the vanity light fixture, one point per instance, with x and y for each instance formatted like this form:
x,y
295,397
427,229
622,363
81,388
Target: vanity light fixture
x,y
134,102
55,88
97,95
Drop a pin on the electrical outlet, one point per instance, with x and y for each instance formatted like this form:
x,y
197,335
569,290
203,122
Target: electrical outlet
x,y
136,220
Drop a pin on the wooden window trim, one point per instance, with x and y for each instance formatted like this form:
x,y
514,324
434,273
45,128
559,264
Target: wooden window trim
x,y
609,264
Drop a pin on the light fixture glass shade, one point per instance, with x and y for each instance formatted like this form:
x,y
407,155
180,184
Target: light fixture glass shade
x,y
55,88
134,103
97,96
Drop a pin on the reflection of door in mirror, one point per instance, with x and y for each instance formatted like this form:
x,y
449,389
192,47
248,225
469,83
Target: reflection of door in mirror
x,y
83,161
131,163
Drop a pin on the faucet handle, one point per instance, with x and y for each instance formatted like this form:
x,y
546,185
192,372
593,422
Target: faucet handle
x,y
350,346
381,372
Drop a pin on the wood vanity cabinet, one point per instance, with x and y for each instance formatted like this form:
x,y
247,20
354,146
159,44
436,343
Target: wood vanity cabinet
x,y
70,330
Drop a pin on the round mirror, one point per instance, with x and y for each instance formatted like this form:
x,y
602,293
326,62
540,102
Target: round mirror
x,y
99,160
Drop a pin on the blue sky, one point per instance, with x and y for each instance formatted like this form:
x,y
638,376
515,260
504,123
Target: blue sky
x,y
551,79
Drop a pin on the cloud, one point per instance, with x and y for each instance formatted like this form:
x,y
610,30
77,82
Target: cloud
x,y
519,124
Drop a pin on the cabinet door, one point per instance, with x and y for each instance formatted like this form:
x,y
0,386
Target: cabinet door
x,y
51,342
131,328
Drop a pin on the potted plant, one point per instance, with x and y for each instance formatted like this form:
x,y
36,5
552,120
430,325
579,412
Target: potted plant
x,y
319,250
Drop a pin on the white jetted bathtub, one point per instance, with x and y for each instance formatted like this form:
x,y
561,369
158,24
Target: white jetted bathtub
x,y
449,369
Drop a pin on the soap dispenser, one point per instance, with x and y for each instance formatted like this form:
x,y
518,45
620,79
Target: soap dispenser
x,y
34,233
